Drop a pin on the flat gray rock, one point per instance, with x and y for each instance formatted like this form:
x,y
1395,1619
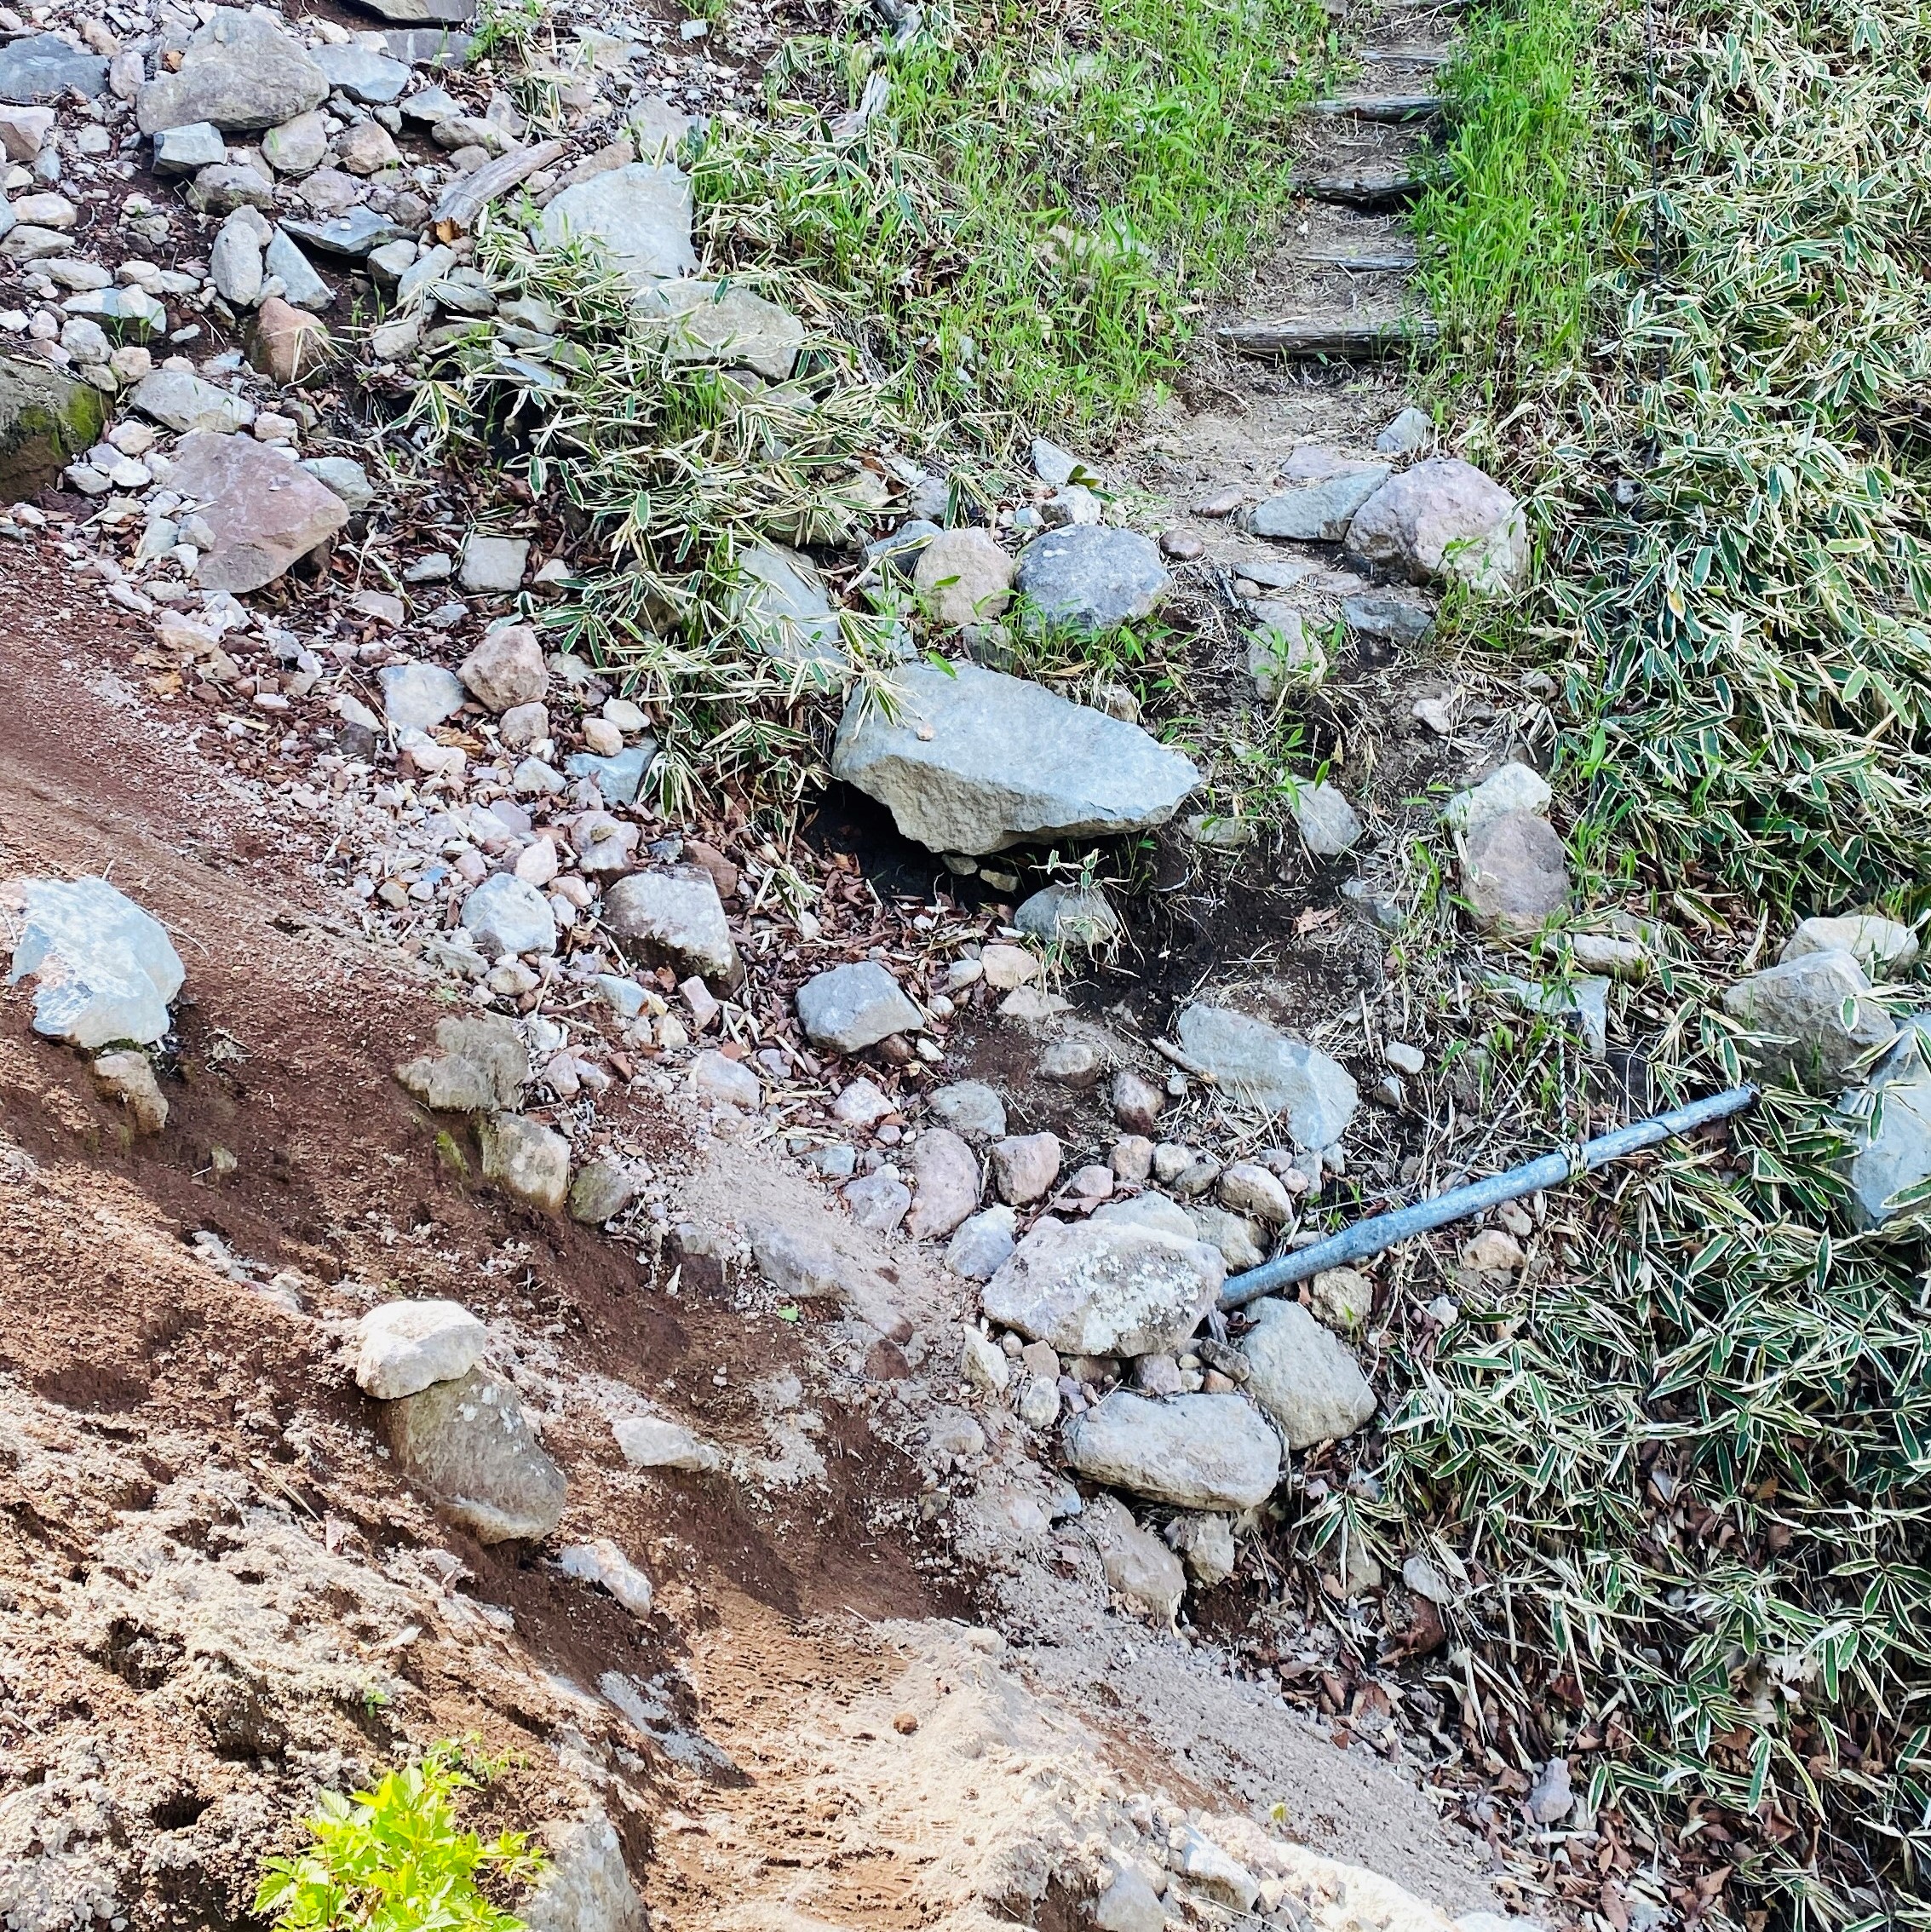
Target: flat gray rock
x,y
1193,1451
1304,1378
784,607
641,214
1328,823
1319,510
1139,1568
1387,616
982,1243
1106,1287
427,46
1889,1124
1253,1063
187,150
1412,430
479,1065
466,1446
183,400
672,916
412,13
1090,577
508,916
265,511
1793,1016
1069,916
975,761
1878,944
600,1192
972,1108
853,1007
255,81
42,66
350,237
362,73
103,970
619,777
1442,521
799,1263
346,477
721,322
418,697
493,566
1515,872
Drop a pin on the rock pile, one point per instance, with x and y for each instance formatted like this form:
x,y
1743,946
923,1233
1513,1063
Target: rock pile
x,y
458,1433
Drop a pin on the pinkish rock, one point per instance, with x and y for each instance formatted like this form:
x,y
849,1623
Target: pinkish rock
x,y
946,1172
265,511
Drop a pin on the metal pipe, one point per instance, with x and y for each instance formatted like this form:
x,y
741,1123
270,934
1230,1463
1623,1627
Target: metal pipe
x,y
1380,1231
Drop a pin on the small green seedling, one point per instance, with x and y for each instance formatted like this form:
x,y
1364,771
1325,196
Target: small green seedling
x,y
397,1858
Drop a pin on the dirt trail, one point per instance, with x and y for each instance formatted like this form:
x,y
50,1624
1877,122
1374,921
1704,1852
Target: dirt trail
x,y
880,1685
169,1421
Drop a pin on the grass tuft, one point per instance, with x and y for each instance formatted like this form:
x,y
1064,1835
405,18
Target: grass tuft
x,y
1041,201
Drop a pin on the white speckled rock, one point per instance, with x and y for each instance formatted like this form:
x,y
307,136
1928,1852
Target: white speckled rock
x,y
1106,1287
402,1347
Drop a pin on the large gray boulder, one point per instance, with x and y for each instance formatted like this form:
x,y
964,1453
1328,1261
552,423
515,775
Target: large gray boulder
x,y
1303,1377
1106,1287
1252,1063
1193,1451
1444,521
243,73
1889,1126
103,970
853,1007
265,511
1793,1013
46,420
974,762
672,917
479,1065
639,214
1090,577
466,1446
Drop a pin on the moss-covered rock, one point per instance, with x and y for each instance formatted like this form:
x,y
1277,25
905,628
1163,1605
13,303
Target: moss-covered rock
x,y
46,420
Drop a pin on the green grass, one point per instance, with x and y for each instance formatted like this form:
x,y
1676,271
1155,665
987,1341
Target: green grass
x,y
1026,232
1509,226
397,1858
